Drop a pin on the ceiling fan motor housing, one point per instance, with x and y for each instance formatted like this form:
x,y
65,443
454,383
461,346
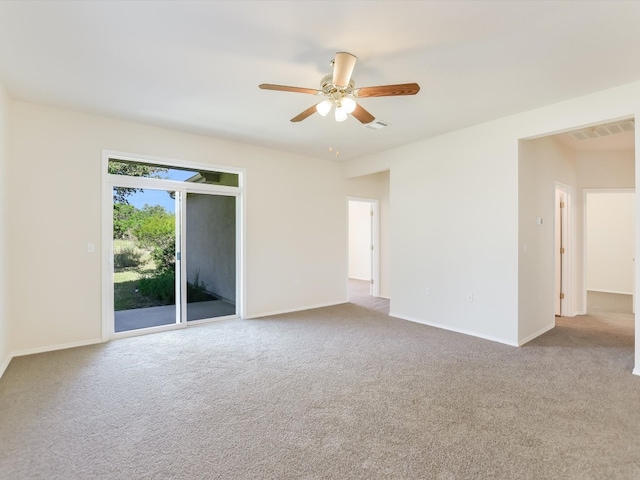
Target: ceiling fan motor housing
x,y
335,92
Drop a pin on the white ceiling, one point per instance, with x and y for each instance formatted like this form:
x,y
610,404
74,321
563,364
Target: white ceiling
x,y
196,66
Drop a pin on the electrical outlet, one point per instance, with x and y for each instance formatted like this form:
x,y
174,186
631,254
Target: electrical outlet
x,y
427,291
470,297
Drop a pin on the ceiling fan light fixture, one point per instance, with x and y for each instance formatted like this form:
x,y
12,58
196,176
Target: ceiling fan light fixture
x,y
348,104
324,107
339,89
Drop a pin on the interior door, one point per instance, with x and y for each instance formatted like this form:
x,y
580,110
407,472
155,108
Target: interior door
x,y
561,251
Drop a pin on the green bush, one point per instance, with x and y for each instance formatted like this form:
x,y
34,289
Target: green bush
x,y
155,230
164,256
160,286
127,256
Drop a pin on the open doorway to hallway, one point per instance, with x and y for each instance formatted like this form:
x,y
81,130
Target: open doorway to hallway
x,y
609,250
604,270
363,239
368,208
594,158
364,270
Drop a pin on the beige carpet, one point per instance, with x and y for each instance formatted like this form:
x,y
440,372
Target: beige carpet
x,y
336,393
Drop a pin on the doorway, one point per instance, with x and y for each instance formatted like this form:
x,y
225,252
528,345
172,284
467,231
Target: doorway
x,y
594,157
609,247
363,241
173,246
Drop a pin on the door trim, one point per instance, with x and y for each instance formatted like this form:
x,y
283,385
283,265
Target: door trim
x,y
565,262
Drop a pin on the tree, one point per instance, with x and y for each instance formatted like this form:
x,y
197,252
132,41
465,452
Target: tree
x,y
124,216
129,169
155,230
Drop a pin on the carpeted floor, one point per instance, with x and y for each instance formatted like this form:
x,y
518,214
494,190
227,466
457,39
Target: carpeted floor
x,y
343,392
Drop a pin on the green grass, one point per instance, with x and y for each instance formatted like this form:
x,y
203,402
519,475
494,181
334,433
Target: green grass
x,y
125,280
126,296
126,286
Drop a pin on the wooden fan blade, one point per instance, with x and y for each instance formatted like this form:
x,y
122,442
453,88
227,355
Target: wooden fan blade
x,y
307,113
284,88
362,115
387,90
343,68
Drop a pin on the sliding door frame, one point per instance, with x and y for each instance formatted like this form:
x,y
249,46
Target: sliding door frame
x,y
109,181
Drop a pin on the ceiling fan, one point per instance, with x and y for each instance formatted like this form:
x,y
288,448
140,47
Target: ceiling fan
x,y
339,89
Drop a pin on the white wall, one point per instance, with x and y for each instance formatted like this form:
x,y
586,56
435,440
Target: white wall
x,y
455,219
295,221
606,169
377,186
5,345
610,242
542,163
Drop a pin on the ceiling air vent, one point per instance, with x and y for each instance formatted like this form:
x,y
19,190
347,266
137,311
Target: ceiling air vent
x,y
376,125
604,130
628,126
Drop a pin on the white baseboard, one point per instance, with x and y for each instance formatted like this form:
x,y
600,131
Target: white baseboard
x,y
636,371
453,329
536,334
609,291
292,310
4,365
51,348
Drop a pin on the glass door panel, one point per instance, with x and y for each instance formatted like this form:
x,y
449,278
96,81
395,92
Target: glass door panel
x,y
144,258
210,256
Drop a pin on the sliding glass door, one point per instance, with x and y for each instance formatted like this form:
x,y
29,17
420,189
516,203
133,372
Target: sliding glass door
x,y
210,256
145,236
174,247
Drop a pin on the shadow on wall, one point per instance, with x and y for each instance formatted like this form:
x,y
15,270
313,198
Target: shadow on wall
x,y
211,244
